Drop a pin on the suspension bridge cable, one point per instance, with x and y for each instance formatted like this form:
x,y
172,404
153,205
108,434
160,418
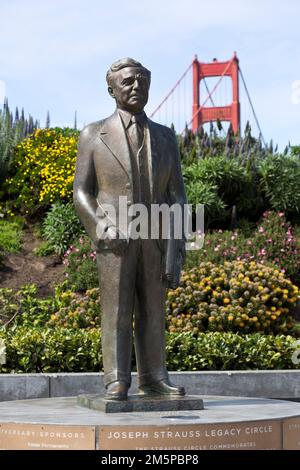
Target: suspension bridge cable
x,y
207,89
184,99
171,91
252,107
178,107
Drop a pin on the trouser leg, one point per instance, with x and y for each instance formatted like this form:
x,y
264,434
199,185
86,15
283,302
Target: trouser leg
x,y
117,290
150,315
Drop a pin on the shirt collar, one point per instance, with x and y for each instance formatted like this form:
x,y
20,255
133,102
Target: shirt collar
x,y
126,117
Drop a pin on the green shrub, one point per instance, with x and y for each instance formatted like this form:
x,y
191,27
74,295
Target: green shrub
x,y
65,308
221,183
200,192
44,166
10,235
81,265
228,175
44,249
24,307
229,351
239,296
61,227
279,181
69,350
52,350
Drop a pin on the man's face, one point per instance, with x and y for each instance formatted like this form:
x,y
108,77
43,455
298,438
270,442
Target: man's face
x,y
130,89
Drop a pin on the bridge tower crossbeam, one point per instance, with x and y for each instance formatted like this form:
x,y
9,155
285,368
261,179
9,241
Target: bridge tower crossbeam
x,y
202,114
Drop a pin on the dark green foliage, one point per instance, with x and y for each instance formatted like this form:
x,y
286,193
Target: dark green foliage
x,y
81,265
69,350
23,307
295,150
280,182
219,183
52,350
10,236
61,227
236,174
229,351
65,308
202,192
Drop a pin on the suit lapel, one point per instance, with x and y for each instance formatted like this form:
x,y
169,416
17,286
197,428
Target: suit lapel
x,y
113,136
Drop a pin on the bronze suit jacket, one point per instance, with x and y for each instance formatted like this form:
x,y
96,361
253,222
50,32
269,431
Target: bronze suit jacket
x,y
103,170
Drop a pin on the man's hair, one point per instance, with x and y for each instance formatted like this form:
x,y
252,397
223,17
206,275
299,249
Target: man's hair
x,y
121,64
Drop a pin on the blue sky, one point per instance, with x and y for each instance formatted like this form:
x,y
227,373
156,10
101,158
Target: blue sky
x,y
54,53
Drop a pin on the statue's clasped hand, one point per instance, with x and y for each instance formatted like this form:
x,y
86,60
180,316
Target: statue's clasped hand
x,y
114,240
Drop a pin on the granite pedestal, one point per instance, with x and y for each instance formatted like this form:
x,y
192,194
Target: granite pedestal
x,y
233,423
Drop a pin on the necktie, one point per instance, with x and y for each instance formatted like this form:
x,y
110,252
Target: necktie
x,y
136,133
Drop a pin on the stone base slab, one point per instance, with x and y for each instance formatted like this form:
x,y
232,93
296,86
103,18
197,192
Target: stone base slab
x,y
140,403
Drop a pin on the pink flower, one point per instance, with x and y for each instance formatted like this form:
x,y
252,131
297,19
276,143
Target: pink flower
x,y
261,230
270,240
281,214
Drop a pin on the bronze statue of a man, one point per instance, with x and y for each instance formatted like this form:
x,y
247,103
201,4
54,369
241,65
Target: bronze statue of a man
x,y
129,155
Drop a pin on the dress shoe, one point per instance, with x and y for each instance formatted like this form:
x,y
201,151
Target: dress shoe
x,y
117,390
162,388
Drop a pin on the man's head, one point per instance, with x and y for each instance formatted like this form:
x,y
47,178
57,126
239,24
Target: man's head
x,y
128,83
